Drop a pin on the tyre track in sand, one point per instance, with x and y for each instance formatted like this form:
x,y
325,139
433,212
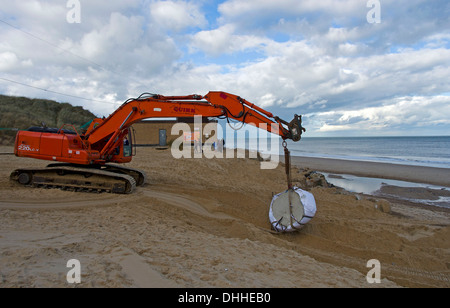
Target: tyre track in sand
x,y
26,203
186,203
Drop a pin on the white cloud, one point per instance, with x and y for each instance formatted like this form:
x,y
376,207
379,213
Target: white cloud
x,y
415,111
120,32
319,58
113,55
267,100
223,40
177,15
8,60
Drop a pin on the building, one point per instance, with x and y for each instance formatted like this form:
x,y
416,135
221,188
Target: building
x,y
159,132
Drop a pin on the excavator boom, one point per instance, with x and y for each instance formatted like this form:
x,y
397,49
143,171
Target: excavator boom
x,y
214,104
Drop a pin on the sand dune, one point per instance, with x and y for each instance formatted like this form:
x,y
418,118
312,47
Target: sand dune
x,y
204,223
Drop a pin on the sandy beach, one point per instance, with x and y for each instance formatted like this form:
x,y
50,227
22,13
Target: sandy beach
x,y
204,223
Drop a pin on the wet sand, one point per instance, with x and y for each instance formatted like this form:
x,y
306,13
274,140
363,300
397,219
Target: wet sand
x,y
417,174
204,223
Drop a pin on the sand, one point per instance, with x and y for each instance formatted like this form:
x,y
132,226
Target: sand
x,y
204,223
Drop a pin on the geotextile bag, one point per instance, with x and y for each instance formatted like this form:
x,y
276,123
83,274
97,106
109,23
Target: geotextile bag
x,y
291,210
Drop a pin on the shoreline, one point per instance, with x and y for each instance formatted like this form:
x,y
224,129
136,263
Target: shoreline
x,y
408,173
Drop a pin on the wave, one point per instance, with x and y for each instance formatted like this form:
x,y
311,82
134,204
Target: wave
x,y
381,159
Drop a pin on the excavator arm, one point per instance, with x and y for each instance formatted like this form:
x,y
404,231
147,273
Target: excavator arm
x,y
240,109
104,134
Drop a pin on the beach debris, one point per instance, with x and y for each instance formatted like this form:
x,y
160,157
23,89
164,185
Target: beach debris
x,y
309,179
315,179
291,210
383,206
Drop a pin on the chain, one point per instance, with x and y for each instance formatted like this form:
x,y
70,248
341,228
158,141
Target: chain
x,y
287,163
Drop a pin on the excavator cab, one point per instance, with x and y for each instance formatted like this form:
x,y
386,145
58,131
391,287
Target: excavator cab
x,y
128,145
124,152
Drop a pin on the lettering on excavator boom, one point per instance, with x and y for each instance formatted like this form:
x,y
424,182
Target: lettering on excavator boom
x,y
184,110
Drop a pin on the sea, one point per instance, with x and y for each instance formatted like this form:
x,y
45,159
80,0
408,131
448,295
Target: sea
x,y
420,151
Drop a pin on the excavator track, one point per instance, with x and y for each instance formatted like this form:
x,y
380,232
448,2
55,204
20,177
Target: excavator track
x,y
139,176
75,179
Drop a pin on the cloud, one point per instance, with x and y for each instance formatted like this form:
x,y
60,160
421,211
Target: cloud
x,y
264,9
108,59
317,58
177,15
8,61
394,115
223,40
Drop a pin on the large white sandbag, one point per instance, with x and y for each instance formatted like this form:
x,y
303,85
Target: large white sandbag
x,y
291,210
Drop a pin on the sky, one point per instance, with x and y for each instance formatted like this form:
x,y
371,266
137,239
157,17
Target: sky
x,y
349,67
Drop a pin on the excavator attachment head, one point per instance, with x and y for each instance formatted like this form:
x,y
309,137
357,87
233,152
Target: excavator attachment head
x,y
296,129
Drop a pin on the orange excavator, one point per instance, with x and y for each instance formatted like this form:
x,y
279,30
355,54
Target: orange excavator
x,y
91,161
